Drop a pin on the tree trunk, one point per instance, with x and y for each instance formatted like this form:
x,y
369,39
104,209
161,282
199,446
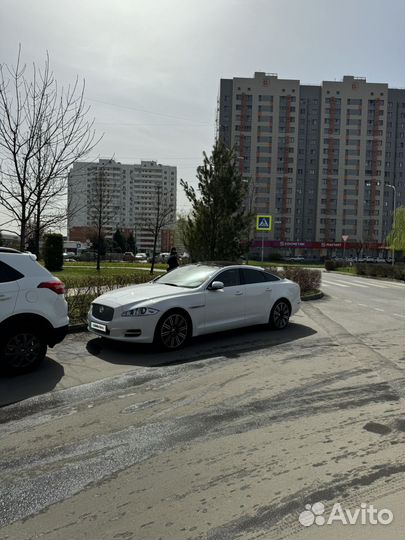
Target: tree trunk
x,y
37,233
23,230
154,253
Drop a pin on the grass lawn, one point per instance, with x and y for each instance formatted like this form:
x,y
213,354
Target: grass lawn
x,y
72,272
104,264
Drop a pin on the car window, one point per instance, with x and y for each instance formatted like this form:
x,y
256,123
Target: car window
x,y
7,273
270,277
189,276
250,275
230,278
253,276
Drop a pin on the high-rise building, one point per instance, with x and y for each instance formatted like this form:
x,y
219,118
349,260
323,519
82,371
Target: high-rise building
x,y
324,161
121,196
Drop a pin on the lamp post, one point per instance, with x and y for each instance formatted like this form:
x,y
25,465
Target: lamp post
x,y
393,216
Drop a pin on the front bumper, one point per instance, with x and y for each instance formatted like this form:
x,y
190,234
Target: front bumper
x,y
129,329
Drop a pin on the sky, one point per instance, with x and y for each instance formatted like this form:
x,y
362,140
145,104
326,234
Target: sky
x,y
152,68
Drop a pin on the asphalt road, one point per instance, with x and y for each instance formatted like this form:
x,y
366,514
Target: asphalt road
x,y
230,438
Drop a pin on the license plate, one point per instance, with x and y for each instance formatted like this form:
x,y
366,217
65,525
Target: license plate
x,y
99,327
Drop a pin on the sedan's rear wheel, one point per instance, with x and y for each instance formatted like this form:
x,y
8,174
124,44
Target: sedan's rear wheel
x,y
280,315
173,331
22,350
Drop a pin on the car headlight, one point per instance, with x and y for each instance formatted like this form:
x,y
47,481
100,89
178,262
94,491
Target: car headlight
x,y
139,312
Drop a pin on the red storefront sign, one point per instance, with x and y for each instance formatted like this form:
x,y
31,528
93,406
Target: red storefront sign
x,y
318,245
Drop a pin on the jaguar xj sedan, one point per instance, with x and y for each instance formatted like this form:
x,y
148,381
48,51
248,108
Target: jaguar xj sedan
x,y
193,300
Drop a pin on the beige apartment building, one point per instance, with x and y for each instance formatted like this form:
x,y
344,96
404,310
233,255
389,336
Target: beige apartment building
x,y
128,195
325,161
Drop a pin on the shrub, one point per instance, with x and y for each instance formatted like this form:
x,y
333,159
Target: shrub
x,y
80,292
308,279
274,256
53,252
330,265
399,272
381,270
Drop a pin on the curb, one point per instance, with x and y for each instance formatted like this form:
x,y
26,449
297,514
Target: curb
x,y
315,296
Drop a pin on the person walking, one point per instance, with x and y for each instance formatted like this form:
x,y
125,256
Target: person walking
x,y
172,261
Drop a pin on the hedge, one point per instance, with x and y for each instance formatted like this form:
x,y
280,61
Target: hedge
x,y
381,270
309,280
81,292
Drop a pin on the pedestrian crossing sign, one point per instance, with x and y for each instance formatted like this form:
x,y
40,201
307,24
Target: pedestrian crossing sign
x,y
263,222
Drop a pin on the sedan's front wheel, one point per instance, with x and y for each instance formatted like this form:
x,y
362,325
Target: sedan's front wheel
x,y
280,315
173,331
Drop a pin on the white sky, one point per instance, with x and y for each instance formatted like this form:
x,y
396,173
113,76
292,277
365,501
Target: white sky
x,y
152,67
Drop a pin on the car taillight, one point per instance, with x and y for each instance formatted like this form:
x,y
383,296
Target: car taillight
x,y
56,286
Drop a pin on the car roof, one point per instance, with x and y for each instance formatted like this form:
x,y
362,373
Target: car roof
x,y
228,264
9,250
25,263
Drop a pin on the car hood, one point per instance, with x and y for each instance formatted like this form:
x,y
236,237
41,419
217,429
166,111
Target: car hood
x,y
136,294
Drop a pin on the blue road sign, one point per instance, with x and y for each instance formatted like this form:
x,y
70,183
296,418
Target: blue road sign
x,y
263,222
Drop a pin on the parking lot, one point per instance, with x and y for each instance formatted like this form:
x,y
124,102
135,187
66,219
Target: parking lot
x,y
240,430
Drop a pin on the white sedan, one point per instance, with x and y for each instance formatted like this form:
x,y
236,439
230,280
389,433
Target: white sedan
x,y
193,300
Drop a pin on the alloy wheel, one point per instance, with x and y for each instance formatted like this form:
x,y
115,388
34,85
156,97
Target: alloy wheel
x,y
174,331
281,315
22,350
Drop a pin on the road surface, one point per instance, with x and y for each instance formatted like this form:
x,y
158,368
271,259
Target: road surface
x,y
230,438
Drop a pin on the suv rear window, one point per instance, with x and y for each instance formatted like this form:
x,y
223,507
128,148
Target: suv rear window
x,y
7,273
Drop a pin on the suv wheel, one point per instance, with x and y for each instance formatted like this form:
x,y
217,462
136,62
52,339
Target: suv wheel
x,y
22,350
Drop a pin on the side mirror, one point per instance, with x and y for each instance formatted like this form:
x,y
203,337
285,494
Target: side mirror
x,y
216,285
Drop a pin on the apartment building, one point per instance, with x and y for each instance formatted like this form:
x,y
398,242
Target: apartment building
x,y
121,196
325,161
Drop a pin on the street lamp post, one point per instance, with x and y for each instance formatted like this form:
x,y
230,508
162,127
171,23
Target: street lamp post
x,y
393,216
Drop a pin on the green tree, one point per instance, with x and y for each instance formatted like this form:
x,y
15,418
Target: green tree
x,y
99,245
131,244
53,252
119,241
396,238
219,220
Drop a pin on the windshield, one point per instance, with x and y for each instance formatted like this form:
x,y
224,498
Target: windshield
x,y
190,276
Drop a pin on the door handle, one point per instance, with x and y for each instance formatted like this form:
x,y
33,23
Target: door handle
x,y
238,293
4,297
268,289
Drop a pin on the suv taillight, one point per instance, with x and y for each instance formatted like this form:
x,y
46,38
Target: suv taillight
x,y
56,286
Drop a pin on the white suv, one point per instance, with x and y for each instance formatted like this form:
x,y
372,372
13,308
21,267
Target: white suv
x,y
33,311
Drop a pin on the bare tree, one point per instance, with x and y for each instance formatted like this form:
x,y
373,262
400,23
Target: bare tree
x,y
43,131
100,209
161,218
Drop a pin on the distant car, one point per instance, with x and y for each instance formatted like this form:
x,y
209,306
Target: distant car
x,y
141,257
164,256
128,256
33,311
193,300
69,255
